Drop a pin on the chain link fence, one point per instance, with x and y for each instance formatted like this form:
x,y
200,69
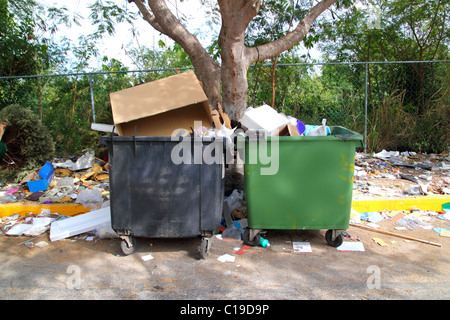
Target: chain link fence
x,y
395,105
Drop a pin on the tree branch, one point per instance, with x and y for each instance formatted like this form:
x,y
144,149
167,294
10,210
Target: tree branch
x,y
282,44
162,19
148,16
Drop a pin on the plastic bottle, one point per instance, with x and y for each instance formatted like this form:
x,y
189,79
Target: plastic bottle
x,y
264,243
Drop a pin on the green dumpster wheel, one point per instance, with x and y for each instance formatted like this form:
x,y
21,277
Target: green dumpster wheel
x,y
128,249
247,241
337,242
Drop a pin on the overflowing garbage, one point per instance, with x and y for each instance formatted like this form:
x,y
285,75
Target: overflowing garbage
x,y
84,181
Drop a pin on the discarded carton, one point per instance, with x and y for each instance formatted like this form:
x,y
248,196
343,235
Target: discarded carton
x,y
46,173
160,107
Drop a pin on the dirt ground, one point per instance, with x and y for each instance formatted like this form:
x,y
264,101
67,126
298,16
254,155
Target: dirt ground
x,y
75,268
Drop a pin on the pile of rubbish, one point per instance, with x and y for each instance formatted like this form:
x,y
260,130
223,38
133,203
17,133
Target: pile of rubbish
x,y
401,174
84,181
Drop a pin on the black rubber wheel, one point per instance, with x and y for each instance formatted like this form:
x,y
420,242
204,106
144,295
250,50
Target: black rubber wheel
x,y
337,242
246,238
204,248
128,249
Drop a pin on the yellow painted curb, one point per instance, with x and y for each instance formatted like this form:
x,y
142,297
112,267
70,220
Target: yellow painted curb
x,y
431,203
22,208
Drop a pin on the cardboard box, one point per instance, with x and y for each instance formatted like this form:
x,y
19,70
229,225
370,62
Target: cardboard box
x,y
159,107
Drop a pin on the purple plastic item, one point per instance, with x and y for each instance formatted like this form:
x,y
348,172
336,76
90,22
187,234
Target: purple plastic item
x,y
300,127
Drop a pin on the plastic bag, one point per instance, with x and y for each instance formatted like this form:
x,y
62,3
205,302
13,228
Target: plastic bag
x,y
90,198
318,130
412,223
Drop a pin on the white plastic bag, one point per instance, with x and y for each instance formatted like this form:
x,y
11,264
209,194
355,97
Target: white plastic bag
x,y
320,130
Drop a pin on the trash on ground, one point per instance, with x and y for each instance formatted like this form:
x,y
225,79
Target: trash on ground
x,y
226,258
41,244
72,226
393,174
351,246
241,250
380,242
147,257
301,247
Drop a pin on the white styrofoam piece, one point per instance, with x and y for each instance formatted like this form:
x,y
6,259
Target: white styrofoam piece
x,y
103,127
38,226
18,229
79,224
264,117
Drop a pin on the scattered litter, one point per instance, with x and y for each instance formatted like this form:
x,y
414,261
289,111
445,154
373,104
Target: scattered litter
x,y
41,244
29,244
380,242
439,230
147,257
241,251
226,258
18,229
412,223
84,162
72,226
351,246
301,247
445,233
90,198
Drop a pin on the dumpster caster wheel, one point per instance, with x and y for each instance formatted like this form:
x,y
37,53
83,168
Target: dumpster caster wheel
x,y
204,247
337,241
128,246
253,242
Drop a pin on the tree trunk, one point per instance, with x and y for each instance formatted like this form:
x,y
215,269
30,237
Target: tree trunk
x,y
234,79
236,57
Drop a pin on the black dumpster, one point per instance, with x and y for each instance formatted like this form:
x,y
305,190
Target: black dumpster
x,y
162,187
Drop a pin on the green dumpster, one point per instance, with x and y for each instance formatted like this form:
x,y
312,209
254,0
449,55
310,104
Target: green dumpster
x,y
310,189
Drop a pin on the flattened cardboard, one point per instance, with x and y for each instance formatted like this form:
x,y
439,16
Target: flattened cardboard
x,y
159,107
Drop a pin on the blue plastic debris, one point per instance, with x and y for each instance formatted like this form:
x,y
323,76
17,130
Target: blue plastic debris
x,y
46,173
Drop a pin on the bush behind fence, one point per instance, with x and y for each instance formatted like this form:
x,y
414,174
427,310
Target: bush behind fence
x,y
395,105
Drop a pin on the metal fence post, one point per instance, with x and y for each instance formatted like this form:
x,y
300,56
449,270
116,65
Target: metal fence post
x,y
92,97
365,105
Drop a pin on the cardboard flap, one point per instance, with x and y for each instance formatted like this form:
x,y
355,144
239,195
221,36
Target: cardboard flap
x,y
156,97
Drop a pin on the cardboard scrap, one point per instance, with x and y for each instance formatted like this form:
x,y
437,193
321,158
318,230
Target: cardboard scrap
x,y
445,233
226,120
380,242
